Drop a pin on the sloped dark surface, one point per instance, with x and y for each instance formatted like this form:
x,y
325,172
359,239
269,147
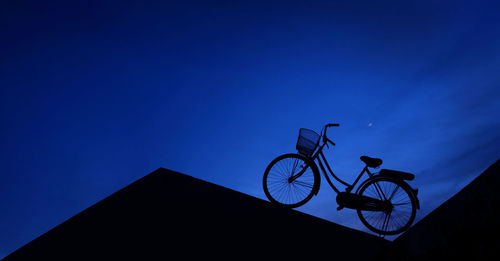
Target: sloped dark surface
x,y
465,227
167,214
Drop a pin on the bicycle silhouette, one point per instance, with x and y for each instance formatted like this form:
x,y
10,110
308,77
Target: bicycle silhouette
x,y
385,203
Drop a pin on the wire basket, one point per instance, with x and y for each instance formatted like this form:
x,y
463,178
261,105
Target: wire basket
x,y
307,142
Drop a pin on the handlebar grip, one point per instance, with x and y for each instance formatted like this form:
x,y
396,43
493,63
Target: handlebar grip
x,y
333,125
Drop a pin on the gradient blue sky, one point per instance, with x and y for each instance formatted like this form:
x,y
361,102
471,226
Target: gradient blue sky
x,y
96,94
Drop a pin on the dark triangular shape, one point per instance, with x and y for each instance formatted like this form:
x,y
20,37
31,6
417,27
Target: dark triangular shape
x,y
465,227
167,214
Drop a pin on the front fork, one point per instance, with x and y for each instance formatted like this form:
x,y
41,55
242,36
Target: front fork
x,y
293,177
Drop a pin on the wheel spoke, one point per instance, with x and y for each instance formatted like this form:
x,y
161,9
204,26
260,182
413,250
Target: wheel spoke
x,y
304,184
393,192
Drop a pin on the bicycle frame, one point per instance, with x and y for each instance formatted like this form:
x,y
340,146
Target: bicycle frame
x,y
319,157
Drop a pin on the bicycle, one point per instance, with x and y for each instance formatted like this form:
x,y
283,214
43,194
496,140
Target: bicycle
x,y
385,203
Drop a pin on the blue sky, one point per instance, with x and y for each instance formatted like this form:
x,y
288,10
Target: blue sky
x,y
97,94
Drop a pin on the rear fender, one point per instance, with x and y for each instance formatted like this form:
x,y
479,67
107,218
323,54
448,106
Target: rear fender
x,y
364,182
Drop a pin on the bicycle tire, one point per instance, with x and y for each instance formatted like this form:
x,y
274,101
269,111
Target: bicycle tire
x,y
277,186
403,213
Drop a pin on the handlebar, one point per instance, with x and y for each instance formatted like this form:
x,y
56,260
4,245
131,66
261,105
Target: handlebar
x,y
325,139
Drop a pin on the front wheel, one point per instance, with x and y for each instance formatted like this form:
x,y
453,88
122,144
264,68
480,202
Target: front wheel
x,y
289,180
401,202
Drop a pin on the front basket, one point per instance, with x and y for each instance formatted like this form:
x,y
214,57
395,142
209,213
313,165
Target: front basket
x,y
307,142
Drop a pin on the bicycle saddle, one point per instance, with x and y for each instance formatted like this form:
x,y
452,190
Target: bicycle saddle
x,y
371,162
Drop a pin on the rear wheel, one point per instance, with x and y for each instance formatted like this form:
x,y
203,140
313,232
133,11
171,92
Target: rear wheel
x,y
402,206
289,180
